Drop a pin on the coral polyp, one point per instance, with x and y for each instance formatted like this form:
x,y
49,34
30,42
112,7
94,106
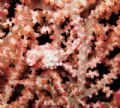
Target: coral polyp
x,y
59,53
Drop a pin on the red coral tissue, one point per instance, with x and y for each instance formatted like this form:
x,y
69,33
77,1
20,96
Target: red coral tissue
x,y
59,53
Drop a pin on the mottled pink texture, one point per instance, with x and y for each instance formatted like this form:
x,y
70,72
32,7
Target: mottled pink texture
x,y
59,53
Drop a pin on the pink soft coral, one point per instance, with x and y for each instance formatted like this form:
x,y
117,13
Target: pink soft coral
x,y
59,53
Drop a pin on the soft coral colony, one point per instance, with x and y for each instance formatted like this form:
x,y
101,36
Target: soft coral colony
x,y
59,54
